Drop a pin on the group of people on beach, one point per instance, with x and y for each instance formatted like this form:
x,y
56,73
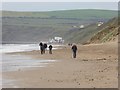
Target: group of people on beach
x,y
43,47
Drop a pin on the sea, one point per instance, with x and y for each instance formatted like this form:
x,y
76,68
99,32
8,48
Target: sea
x,y
11,63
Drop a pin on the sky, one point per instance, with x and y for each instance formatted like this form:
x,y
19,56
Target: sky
x,y
53,6
60,0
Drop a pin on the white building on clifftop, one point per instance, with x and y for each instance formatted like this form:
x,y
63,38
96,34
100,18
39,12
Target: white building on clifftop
x,y
56,40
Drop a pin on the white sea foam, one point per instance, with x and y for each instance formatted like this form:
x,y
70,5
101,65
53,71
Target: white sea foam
x,y
5,48
18,47
15,62
18,62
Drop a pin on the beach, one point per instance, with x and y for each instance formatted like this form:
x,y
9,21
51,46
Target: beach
x,y
96,66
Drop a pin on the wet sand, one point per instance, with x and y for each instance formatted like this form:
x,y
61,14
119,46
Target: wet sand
x,y
96,66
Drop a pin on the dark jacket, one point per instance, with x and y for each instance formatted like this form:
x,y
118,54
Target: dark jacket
x,y
50,47
74,48
41,44
45,45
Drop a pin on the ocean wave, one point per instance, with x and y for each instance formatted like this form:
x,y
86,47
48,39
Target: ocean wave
x,y
6,48
18,47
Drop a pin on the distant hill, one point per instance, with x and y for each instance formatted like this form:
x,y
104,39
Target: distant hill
x,y
33,27
65,14
78,14
108,32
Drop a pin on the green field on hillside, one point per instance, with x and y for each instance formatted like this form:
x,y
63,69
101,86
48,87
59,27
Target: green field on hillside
x,y
33,27
78,14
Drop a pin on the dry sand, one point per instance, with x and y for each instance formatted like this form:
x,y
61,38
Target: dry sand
x,y
96,66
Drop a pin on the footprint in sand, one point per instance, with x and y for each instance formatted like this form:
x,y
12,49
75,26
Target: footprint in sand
x,y
78,83
91,79
84,60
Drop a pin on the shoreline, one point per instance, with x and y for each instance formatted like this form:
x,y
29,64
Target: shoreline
x,y
96,66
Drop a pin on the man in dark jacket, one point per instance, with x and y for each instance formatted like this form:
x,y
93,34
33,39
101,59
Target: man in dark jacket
x,y
41,47
74,49
45,47
50,49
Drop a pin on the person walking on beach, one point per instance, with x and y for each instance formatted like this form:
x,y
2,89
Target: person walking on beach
x,y
50,49
45,47
41,47
74,49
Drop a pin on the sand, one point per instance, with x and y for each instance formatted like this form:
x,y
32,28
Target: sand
x,y
96,66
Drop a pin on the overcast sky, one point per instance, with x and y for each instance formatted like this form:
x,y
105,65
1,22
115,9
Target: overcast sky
x,y
52,6
60,0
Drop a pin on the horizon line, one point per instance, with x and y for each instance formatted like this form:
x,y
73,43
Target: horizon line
x,y
55,10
